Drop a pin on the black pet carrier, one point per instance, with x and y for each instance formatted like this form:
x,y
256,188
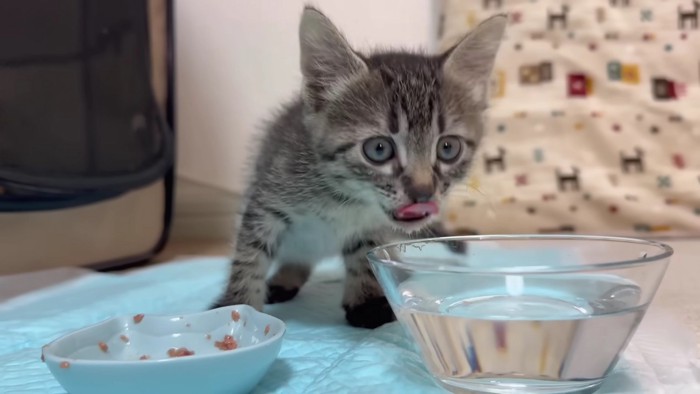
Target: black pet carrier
x,y
86,131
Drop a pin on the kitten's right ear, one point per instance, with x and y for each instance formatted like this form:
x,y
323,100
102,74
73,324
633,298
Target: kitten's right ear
x,y
327,60
471,61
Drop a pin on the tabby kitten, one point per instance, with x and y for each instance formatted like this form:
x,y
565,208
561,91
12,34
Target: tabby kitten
x,y
363,156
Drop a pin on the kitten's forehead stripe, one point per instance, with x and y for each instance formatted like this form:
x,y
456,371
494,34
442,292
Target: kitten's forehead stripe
x,y
441,118
413,89
403,124
393,118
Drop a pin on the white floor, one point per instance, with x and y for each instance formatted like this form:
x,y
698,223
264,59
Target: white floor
x,y
680,289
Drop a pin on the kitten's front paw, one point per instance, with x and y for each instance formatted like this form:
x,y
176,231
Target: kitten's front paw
x,y
457,247
223,303
277,294
236,299
371,313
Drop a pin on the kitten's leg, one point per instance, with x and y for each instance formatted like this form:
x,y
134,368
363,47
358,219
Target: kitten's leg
x,y
255,249
363,300
246,284
286,282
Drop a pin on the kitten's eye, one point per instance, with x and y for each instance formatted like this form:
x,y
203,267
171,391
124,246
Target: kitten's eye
x,y
449,148
378,150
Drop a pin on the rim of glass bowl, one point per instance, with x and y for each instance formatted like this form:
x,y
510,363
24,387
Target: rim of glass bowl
x,y
665,252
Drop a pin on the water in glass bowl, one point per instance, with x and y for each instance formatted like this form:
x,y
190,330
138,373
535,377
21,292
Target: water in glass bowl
x,y
513,334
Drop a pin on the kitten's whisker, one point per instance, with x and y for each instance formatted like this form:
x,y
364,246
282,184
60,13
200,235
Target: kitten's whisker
x,y
489,201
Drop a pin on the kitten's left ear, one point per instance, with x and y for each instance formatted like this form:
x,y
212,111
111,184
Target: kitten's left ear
x,y
327,60
470,62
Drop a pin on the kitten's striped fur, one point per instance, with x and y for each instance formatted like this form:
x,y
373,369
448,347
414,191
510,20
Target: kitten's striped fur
x,y
314,194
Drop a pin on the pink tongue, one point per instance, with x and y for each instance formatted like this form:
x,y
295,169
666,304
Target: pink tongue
x,y
418,210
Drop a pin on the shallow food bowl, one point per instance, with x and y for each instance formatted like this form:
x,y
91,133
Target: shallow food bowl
x,y
520,314
226,350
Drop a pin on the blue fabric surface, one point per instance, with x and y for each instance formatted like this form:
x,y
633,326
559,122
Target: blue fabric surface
x,y
320,353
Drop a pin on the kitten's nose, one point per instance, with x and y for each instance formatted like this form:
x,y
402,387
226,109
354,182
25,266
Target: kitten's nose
x,y
419,186
420,192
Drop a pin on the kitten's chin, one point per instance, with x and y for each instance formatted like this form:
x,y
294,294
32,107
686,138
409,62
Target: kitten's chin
x,y
413,226
411,229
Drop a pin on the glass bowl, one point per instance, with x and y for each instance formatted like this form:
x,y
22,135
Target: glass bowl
x,y
520,314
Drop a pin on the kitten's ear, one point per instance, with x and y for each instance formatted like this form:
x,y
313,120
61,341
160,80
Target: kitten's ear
x,y
471,61
327,60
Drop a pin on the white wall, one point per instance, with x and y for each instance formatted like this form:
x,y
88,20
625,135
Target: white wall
x,y
239,59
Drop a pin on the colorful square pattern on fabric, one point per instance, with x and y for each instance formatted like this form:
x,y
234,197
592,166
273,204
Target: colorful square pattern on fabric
x,y
595,119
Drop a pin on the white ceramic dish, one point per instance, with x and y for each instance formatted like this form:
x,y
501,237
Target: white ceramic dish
x,y
129,354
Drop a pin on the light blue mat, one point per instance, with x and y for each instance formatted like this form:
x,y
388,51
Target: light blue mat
x,y
321,354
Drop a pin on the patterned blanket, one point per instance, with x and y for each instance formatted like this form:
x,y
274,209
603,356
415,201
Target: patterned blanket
x,y
595,119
